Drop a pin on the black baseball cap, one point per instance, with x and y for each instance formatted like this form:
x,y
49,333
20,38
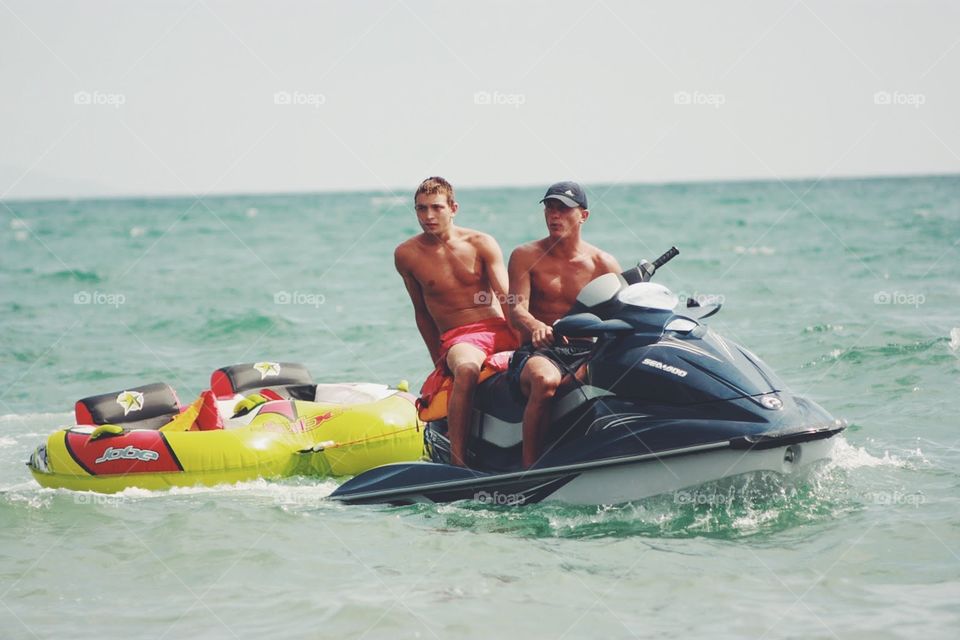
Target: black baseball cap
x,y
567,192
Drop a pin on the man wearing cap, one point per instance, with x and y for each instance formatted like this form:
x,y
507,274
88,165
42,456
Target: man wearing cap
x,y
545,278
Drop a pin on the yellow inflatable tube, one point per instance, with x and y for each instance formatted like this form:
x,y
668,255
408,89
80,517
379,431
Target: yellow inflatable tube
x,y
280,438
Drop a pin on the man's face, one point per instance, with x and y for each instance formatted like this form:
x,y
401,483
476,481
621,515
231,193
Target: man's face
x,y
434,213
561,219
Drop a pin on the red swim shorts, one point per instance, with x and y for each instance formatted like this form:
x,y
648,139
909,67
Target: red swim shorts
x,y
490,336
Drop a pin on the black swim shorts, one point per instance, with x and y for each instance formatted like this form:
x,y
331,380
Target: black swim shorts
x,y
566,357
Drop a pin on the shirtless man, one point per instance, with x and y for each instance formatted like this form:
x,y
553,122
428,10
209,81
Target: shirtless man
x,y
455,278
545,278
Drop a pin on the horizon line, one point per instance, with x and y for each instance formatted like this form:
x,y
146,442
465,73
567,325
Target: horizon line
x,y
388,190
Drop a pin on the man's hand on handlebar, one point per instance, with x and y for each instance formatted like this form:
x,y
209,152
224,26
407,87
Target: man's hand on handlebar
x,y
542,336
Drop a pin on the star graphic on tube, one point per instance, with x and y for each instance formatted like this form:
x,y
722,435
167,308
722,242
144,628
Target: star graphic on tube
x,y
130,401
267,369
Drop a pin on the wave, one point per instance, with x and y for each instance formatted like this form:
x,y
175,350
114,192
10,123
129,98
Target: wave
x,y
73,276
848,457
291,490
823,328
34,417
294,494
754,251
732,200
250,322
931,349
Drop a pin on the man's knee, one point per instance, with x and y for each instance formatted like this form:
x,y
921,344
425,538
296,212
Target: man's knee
x,y
466,372
464,362
543,379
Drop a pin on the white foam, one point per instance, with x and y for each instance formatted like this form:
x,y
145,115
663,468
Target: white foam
x,y
60,418
754,251
33,500
847,456
30,484
7,442
259,487
955,339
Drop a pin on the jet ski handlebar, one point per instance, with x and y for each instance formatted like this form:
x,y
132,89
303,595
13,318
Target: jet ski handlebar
x,y
671,253
645,270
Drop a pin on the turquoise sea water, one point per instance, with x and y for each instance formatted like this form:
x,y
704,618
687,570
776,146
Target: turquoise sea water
x,y
850,289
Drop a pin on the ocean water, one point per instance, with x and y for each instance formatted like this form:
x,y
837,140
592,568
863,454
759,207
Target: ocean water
x,y
850,289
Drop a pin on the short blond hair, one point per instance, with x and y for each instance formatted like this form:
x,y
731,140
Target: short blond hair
x,y
435,184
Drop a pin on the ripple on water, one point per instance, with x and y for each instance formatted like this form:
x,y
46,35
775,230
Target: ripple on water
x,y
244,324
66,275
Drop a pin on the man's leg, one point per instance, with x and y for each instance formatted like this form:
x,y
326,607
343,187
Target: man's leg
x,y
538,381
464,361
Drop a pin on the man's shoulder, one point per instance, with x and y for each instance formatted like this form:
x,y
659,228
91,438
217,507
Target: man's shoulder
x,y
483,243
474,237
601,258
410,242
532,249
408,249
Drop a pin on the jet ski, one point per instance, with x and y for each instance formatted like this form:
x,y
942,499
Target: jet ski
x,y
661,403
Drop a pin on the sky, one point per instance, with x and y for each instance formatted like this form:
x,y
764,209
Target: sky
x,y
122,98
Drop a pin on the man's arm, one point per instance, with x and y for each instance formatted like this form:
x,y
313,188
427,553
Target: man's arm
x,y
425,324
496,271
539,333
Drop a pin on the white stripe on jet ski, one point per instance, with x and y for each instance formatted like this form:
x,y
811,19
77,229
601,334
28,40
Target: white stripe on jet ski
x,y
723,345
619,421
686,347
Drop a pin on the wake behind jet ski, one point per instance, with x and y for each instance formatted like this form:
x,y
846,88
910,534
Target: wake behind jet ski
x,y
660,404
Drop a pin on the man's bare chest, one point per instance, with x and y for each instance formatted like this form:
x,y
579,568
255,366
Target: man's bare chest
x,y
449,268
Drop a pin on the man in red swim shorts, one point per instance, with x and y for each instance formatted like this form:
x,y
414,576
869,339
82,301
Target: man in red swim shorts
x,y
456,279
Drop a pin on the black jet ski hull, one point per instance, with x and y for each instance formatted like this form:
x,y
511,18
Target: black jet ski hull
x,y
606,481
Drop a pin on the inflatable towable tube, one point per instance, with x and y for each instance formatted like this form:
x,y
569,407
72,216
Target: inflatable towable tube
x,y
257,420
